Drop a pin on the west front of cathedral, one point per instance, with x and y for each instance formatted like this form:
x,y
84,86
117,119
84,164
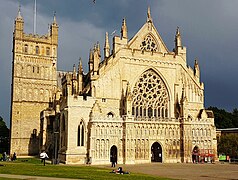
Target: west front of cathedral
x,y
137,103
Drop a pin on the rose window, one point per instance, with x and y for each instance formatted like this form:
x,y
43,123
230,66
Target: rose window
x,y
148,44
150,96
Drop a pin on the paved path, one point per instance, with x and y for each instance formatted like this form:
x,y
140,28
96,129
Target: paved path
x,y
188,171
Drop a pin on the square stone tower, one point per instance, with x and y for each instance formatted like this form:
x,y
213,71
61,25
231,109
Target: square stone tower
x,y
34,80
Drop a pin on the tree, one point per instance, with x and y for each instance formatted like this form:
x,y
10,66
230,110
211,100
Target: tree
x,y
4,136
224,119
4,131
228,144
235,117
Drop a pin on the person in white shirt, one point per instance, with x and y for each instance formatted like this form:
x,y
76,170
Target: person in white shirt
x,y
43,156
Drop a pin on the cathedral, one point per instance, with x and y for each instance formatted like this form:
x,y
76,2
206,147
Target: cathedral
x,y
137,103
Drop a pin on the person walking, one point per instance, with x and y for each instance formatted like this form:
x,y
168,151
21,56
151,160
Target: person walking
x,y
43,156
113,161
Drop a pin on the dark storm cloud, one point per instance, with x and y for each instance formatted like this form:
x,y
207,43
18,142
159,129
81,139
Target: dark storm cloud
x,y
209,31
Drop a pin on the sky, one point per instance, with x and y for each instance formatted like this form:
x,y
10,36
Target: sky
x,y
209,31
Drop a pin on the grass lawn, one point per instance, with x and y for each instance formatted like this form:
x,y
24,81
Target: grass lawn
x,y
33,167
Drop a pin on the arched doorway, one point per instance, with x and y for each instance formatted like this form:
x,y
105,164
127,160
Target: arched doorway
x,y
113,154
156,152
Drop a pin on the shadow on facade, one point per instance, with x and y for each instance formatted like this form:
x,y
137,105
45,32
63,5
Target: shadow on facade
x,y
88,159
49,135
33,147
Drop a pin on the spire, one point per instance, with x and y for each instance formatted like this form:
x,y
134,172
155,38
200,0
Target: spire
x,y
49,29
74,81
54,30
149,18
196,69
19,24
124,29
96,58
74,72
177,31
19,16
98,46
80,76
74,69
90,62
98,49
106,46
178,41
54,18
106,41
91,55
196,62
80,66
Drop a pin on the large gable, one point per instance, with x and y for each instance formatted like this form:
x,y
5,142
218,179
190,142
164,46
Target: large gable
x,y
148,38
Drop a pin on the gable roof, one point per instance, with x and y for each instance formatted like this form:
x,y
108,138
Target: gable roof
x,y
148,32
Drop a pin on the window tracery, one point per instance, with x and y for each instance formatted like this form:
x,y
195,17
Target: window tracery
x,y
148,44
150,96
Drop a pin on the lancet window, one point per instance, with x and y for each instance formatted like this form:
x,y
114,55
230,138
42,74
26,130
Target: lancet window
x,y
47,51
81,134
150,96
25,48
37,50
148,44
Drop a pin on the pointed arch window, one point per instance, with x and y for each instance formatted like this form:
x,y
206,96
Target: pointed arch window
x,y
25,48
37,50
47,51
150,96
81,134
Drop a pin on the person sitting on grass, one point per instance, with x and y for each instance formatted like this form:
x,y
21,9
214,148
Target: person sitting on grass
x,y
119,171
14,157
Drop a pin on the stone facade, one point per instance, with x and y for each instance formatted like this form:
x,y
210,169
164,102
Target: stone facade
x,y
33,83
141,103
